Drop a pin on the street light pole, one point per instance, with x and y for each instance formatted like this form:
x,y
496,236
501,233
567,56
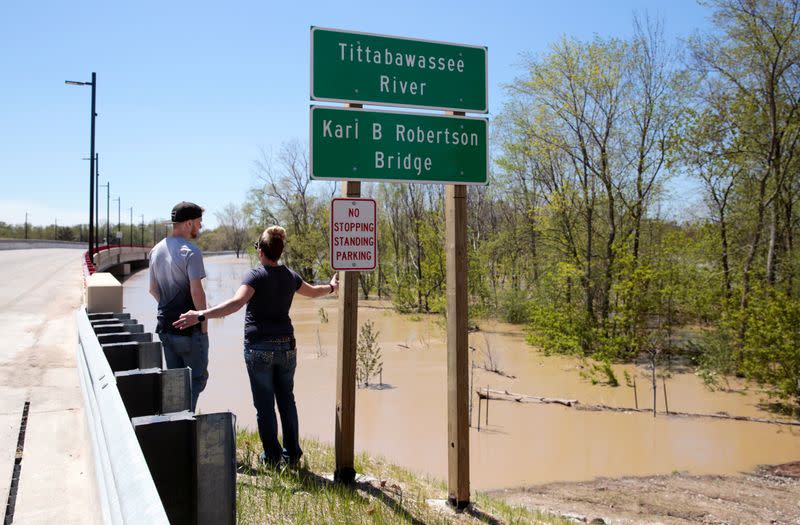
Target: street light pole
x,y
131,225
26,225
92,225
142,231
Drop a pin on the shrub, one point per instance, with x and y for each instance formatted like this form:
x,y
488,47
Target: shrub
x,y
369,361
514,307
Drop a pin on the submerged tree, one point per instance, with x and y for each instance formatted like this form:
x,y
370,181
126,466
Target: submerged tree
x,y
369,361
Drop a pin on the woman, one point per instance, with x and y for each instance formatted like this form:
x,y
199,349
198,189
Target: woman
x,y
269,345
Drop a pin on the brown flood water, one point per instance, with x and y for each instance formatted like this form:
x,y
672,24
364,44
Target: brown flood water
x,y
524,444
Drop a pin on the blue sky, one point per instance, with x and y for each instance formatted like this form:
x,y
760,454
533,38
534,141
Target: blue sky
x,y
187,92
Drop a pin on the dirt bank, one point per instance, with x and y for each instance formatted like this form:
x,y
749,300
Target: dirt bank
x,y
768,495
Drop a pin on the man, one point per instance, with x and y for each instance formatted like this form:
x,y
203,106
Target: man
x,y
176,273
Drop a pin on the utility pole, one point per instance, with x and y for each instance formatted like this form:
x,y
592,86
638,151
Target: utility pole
x,y
142,229
119,220
131,243
107,185
108,212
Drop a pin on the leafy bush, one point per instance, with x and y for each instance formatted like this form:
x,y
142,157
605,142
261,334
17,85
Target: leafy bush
x,y
514,307
771,352
559,331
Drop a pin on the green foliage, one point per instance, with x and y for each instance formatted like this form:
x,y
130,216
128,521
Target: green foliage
x,y
558,330
717,350
514,307
771,352
628,379
601,373
369,361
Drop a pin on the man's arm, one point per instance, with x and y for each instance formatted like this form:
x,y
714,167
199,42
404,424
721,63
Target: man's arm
x,y
154,286
199,299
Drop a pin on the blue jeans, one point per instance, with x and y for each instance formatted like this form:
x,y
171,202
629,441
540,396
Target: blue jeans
x,y
188,350
271,366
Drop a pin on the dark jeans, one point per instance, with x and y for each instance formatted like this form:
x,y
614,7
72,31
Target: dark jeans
x,y
271,365
188,350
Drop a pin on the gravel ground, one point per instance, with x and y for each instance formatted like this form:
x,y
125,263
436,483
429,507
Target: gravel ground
x,y
770,495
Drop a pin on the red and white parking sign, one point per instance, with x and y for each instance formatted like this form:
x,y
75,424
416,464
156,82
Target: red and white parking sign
x,y
354,234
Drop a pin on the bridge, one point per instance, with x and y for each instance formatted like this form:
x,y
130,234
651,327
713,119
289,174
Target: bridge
x,y
118,260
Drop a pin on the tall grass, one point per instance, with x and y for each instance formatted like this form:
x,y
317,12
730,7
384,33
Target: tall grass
x,y
383,493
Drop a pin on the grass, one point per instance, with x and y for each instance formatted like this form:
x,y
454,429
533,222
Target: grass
x,y
383,493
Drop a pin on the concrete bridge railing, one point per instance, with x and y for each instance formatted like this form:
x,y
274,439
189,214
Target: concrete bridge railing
x,y
122,259
27,244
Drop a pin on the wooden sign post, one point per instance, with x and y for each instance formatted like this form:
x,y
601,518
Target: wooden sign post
x,y
346,365
458,393
344,439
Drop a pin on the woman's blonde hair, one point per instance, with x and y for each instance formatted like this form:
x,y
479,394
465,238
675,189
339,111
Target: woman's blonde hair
x,y
271,242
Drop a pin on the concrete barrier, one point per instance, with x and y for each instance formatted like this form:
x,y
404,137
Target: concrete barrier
x,y
127,491
103,293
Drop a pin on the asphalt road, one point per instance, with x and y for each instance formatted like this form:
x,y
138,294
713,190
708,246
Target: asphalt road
x,y
39,292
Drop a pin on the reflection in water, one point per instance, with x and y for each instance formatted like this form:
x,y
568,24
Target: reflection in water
x,y
524,443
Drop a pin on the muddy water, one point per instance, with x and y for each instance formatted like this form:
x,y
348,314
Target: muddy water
x,y
523,443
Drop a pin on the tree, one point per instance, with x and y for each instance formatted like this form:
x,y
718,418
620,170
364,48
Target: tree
x,y
754,63
369,361
234,226
286,195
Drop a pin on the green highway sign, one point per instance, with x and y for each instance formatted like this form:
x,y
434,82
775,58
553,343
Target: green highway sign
x,y
373,69
357,144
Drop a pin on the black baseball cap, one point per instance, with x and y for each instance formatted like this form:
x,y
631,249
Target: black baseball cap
x,y
186,211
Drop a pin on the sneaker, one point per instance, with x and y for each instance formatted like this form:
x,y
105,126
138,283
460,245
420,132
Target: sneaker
x,y
269,462
293,462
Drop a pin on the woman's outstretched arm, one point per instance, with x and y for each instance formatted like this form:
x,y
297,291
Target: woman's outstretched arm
x,y
234,304
318,290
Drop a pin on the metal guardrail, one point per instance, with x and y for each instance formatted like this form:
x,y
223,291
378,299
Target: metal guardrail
x,y
127,492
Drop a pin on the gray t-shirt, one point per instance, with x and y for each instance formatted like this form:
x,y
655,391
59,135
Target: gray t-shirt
x,y
173,263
